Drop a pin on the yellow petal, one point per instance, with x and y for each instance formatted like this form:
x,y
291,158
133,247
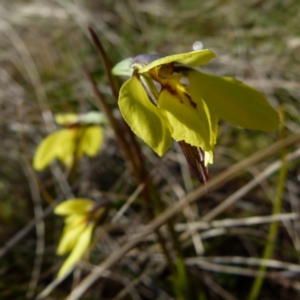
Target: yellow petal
x,y
91,140
79,249
54,145
208,158
66,119
189,59
70,146
190,118
145,119
79,206
234,101
70,234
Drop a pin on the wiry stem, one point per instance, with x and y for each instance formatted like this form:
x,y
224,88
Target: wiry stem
x,y
127,141
273,230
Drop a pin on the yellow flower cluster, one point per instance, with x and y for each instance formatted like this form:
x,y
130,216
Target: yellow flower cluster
x,y
189,103
80,136
81,216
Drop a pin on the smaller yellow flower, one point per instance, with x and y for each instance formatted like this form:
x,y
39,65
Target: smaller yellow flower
x,y
80,220
69,144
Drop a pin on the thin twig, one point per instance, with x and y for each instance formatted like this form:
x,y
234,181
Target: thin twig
x,y
225,223
127,203
119,134
106,61
127,142
250,261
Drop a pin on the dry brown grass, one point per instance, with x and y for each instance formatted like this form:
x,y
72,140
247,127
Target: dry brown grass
x,y
43,46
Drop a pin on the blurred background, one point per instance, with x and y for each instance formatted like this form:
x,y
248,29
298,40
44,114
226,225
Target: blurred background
x,y
43,48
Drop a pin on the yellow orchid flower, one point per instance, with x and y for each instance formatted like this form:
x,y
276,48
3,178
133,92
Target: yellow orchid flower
x,y
69,144
188,104
80,220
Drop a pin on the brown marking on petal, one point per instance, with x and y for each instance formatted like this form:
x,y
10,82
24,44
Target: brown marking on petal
x,y
193,104
173,92
71,126
170,90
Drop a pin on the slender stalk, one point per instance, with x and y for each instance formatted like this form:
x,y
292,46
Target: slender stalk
x,y
127,141
106,61
136,157
119,134
273,229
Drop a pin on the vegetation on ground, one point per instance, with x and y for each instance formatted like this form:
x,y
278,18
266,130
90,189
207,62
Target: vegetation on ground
x,y
239,240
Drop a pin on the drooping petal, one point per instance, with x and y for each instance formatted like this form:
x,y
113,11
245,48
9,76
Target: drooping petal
x,y
54,145
213,118
79,206
81,246
189,59
145,119
91,140
235,102
190,118
70,234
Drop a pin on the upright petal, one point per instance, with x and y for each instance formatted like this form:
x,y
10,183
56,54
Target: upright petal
x,y
235,102
189,59
145,119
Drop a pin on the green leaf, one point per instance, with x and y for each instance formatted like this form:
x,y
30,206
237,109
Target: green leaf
x,y
145,119
189,59
234,101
